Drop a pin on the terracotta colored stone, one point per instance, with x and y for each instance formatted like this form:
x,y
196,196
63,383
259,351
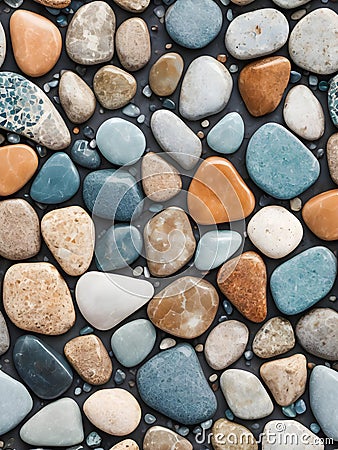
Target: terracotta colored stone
x,y
332,156
18,164
90,359
320,214
243,281
160,438
166,73
262,84
57,4
186,308
135,6
127,444
218,193
36,42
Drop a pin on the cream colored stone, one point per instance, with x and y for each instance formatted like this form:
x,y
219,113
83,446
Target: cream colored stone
x,y
160,438
228,435
133,5
274,338
2,45
289,435
127,444
332,156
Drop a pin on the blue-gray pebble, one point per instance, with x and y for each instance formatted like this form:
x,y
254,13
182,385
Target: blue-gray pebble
x,y
85,156
227,135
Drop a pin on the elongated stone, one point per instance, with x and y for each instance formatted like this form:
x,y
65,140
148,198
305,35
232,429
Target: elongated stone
x,y
166,73
228,435
134,6
332,95
227,135
4,335
2,45
320,215
282,430
274,338
58,4
160,438
332,156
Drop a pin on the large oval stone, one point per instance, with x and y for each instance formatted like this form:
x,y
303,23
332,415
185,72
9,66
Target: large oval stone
x,y
228,435
274,338
227,135
280,429
2,45
332,96
160,438
4,335
57,4
320,214
290,4
166,73
332,156
134,6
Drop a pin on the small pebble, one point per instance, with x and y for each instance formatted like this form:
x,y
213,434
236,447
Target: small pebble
x,y
221,58
131,110
138,271
167,343
296,204
87,387
315,428
297,15
147,92
229,414
169,104
213,377
300,406
93,439
199,348
119,377
149,419
86,330
289,411
77,391
183,431
295,76
228,308
205,124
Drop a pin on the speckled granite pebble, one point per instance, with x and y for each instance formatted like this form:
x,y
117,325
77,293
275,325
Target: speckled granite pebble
x,y
160,438
274,338
332,156
134,6
4,335
228,435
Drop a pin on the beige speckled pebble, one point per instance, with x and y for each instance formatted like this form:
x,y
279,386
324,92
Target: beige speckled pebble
x,y
128,444
228,435
37,299
332,156
274,338
133,5
160,438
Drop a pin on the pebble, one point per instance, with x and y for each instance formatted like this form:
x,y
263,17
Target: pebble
x,y
332,99
320,215
303,280
119,420
105,299
206,87
282,430
50,308
274,338
133,342
227,135
54,3
168,343
2,45
90,34
275,231
279,163
160,438
36,42
90,359
256,33
134,6
161,383
332,156
296,204
168,241
85,156
232,436
225,344
133,46
57,424
316,34
4,335
93,439
193,30
76,97
185,308
127,444
19,230
300,406
290,4
243,281
119,377
262,84
255,404
316,332
166,73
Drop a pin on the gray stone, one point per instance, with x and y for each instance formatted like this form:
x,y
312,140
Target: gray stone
x,y
282,431
274,338
2,45
4,335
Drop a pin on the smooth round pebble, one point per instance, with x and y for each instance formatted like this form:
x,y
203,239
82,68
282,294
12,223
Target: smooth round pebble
x,y
274,338
127,444
228,435
227,135
166,73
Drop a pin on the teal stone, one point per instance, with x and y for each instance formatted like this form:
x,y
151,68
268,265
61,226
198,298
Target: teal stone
x,y
120,142
323,390
85,156
173,383
120,246
303,280
112,194
279,163
289,411
193,23
215,247
332,96
227,135
57,181
43,369
133,342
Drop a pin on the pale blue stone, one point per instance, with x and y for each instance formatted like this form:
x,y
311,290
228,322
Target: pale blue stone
x,y
227,135
193,23
303,280
120,142
215,247
279,163
84,155
133,342
323,399
289,411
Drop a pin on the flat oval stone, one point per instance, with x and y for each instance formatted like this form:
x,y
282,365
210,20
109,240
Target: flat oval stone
x,y
90,34
242,2
279,163
232,436
70,235
19,230
113,139
166,73
227,135
303,113
134,6
217,193
332,156
58,424
105,299
262,84
193,30
15,400
275,231
280,429
85,156
316,34
133,46
133,342
2,45
162,384
36,42
57,181
4,335
225,344
274,338
255,404
332,95
50,308
114,87
320,215
112,194
206,87
290,4
303,280
58,4
90,359
127,444
40,122
243,281
160,438
43,369
185,308
168,241
215,247
114,411
316,332
256,33
176,138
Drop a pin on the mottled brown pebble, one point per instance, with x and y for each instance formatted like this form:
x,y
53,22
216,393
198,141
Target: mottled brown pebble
x,y
134,6
274,338
228,435
128,444
166,73
160,438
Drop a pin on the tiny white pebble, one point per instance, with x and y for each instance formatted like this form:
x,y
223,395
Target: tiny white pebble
x,y
205,124
296,204
213,377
